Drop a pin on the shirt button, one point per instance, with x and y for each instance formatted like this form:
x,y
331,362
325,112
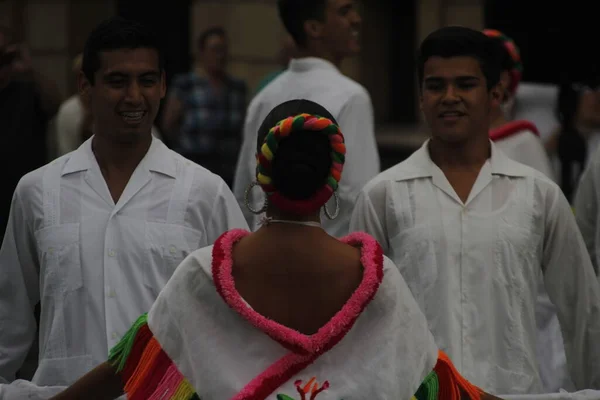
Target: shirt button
x,y
172,249
112,253
111,293
51,250
114,336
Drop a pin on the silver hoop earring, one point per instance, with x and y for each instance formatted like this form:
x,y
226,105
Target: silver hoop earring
x,y
247,200
337,207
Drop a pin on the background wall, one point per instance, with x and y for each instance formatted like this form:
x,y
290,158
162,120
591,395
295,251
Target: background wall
x,y
56,31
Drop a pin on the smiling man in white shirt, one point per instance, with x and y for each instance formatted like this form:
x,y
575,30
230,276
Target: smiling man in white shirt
x,y
326,32
97,233
473,231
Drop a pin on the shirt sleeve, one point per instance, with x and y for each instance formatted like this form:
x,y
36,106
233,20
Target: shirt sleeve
x,y
22,389
246,164
586,208
573,289
19,290
369,214
225,216
362,157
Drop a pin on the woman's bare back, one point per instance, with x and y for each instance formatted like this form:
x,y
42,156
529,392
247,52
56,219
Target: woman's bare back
x,y
298,278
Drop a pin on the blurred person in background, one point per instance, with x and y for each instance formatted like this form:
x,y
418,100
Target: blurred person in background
x,y
204,112
587,195
519,139
326,33
73,122
578,111
28,101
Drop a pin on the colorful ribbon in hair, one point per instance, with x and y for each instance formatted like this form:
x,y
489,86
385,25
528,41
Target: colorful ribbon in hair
x,y
302,122
512,49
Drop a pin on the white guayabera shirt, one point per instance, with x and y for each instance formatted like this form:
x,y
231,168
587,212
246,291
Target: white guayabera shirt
x,y
474,267
96,265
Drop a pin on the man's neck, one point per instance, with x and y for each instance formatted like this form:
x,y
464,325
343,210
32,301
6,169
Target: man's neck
x,y
470,154
118,158
498,119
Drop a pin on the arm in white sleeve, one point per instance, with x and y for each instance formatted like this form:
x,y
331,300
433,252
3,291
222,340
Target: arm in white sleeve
x,y
21,390
369,214
362,157
586,209
19,289
573,289
226,215
246,164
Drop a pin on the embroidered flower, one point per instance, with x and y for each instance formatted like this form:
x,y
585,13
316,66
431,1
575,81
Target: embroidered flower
x,y
311,388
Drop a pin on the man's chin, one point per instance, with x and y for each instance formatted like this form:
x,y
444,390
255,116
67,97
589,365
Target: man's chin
x,y
132,136
451,138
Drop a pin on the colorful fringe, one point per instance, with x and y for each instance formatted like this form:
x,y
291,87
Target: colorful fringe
x,y
446,383
146,370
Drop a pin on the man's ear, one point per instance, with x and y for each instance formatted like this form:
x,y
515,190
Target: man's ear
x,y
313,29
497,94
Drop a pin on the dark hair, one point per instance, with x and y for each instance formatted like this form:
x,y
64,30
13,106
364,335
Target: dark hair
x,y
572,147
113,34
294,13
302,162
457,41
204,36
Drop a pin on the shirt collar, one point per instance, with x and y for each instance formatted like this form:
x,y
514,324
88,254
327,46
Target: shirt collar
x,y
311,63
420,165
157,159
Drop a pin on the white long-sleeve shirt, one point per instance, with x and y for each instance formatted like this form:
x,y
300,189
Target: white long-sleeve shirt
x,y
320,81
587,208
474,267
96,265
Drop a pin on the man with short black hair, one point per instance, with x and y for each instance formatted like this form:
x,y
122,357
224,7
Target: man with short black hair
x,y
473,232
96,234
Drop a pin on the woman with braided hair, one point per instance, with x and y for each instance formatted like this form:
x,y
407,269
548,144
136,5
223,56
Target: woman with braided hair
x,y
519,139
287,312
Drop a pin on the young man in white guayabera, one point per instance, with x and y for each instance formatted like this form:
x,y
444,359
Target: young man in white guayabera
x,y
473,232
326,32
95,235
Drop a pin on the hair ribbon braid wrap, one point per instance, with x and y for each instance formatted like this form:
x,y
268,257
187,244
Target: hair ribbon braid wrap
x,y
301,122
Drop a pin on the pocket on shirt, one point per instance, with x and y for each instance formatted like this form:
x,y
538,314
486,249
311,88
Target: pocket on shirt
x,y
61,371
59,250
502,381
516,249
414,254
167,246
